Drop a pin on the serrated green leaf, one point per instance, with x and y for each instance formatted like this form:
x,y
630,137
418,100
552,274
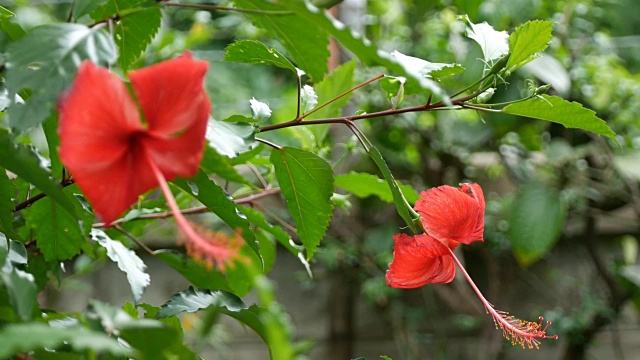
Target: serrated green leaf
x,y
25,337
306,182
193,300
527,41
134,32
45,61
84,7
127,261
364,185
22,162
58,233
304,44
536,222
230,139
220,203
558,110
398,198
493,43
255,52
196,273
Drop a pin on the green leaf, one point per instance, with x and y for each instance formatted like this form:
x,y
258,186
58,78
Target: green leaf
x,y
558,110
127,261
363,185
134,32
527,41
22,291
192,300
58,233
304,44
45,61
402,205
196,273
7,192
306,181
536,222
24,163
255,52
84,7
5,13
230,138
220,203
25,337
214,163
493,43
394,87
13,30
50,127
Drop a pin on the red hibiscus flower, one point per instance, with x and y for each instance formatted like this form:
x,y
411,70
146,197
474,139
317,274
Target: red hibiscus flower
x,y
451,216
118,146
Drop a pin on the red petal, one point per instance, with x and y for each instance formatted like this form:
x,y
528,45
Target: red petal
x,y
97,121
453,215
419,260
176,109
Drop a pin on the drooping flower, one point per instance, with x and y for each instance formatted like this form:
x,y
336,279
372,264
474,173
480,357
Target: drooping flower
x,y
118,144
451,216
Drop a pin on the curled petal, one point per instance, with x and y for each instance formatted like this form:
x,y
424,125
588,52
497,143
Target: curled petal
x,y
453,215
419,260
176,109
98,119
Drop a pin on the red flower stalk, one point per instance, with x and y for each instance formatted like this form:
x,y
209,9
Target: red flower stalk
x,y
451,216
118,146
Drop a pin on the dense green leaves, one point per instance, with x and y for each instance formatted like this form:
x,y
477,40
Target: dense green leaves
x,y
127,261
555,109
45,61
304,44
19,284
24,163
364,185
195,272
306,181
527,41
20,338
536,222
255,52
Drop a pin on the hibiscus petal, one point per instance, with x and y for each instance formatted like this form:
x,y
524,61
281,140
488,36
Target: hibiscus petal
x,y
453,215
419,260
97,120
176,109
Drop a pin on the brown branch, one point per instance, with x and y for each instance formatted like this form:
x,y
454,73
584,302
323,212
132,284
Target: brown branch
x,y
25,204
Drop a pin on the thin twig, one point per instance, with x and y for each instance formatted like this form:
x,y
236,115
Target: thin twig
x,y
25,204
267,142
133,238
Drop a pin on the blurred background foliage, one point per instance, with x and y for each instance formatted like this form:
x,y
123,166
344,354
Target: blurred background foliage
x,y
563,206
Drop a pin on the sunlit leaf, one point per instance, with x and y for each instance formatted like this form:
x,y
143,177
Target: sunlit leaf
x,y
493,43
259,110
127,261
255,52
527,41
308,98
230,138
306,181
363,185
192,300
536,222
558,110
46,61
425,68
